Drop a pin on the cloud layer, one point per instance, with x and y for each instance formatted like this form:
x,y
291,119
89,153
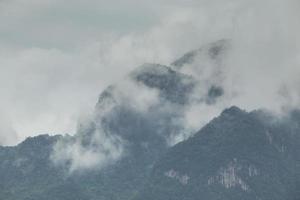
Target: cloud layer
x,y
56,58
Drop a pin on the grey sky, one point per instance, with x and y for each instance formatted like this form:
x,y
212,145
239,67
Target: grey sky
x,y
57,55
64,23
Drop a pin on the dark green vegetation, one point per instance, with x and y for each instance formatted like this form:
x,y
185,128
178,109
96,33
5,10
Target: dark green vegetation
x,y
237,156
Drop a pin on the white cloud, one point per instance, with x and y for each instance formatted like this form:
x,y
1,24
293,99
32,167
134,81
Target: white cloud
x,y
8,135
57,56
102,151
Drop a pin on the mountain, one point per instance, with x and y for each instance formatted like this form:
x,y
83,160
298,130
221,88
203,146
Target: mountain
x,y
142,135
128,148
212,51
145,134
206,64
238,155
25,169
173,85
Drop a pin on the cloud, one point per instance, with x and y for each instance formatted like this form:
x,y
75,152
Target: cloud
x,y
94,146
261,49
103,149
8,135
55,58
46,89
264,54
259,69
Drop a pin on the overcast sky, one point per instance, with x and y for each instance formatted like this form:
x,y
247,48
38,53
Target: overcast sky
x,y
56,56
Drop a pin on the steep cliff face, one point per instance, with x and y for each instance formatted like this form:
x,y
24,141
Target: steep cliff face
x,y
238,155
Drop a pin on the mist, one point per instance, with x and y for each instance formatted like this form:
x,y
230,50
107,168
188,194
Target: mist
x,y
49,84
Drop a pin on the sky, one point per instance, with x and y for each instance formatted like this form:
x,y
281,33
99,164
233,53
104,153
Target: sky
x,y
56,56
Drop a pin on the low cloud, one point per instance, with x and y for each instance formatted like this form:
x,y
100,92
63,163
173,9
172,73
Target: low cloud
x,y
101,150
8,135
93,146
47,87
260,67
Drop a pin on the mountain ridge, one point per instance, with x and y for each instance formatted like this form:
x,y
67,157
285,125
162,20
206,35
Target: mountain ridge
x,y
237,155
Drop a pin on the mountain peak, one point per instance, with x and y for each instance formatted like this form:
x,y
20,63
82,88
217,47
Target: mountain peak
x,y
236,156
40,140
213,50
152,68
173,85
233,110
